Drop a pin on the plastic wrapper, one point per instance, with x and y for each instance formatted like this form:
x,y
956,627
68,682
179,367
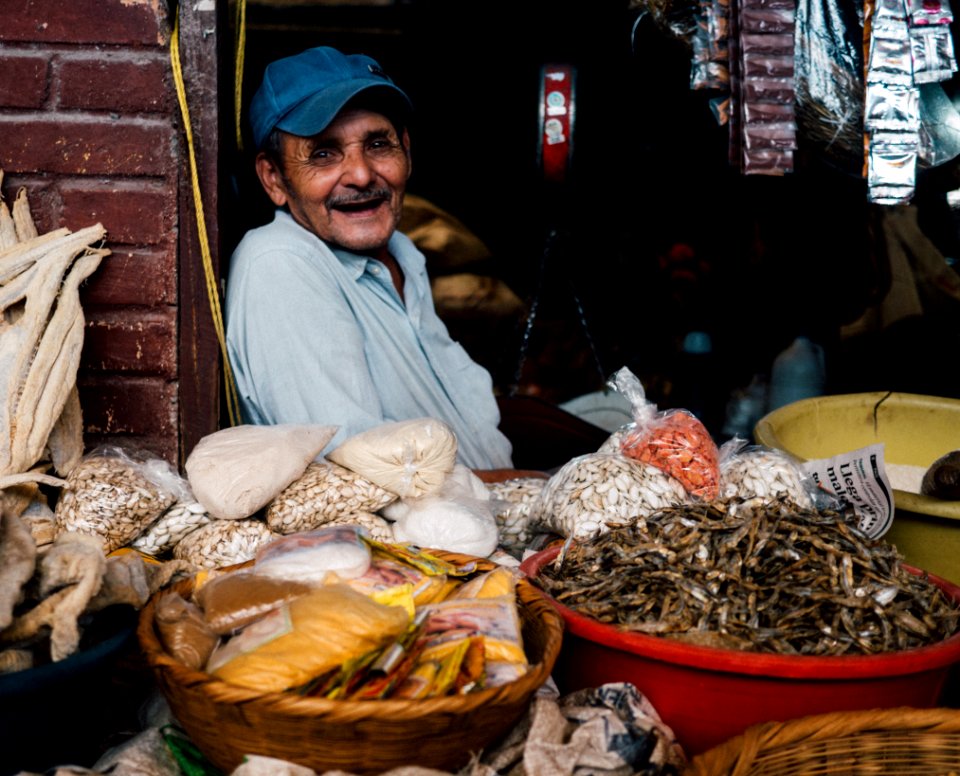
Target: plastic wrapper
x,y
335,553
491,584
374,674
678,18
222,543
512,502
458,517
324,493
173,525
367,523
829,64
233,600
305,638
765,93
675,441
495,619
236,471
409,458
115,493
590,493
756,472
385,574
183,631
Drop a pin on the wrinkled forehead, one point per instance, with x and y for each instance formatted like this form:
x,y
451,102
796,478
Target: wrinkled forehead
x,y
388,105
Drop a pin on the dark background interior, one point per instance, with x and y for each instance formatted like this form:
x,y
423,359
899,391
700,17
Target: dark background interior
x,y
772,257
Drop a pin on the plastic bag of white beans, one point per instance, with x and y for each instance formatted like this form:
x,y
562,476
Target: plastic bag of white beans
x,y
593,491
758,472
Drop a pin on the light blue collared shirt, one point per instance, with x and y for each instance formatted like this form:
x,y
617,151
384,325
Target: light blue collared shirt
x,y
316,335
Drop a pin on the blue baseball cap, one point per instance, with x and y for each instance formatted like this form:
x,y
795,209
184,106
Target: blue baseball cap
x,y
303,93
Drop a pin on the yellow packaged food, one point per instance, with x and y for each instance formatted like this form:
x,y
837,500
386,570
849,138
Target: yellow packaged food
x,y
496,619
491,584
305,638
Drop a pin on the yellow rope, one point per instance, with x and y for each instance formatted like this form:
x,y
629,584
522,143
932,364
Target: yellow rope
x,y
241,42
211,282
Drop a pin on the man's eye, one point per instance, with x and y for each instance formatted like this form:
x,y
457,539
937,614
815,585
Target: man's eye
x,y
324,156
382,146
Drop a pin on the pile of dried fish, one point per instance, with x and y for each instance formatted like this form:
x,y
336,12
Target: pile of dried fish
x,y
771,578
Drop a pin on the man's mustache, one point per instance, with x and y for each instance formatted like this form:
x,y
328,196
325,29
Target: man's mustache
x,y
360,196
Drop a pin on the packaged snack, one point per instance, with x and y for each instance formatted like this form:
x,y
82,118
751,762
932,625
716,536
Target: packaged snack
x,y
183,631
305,638
233,600
496,619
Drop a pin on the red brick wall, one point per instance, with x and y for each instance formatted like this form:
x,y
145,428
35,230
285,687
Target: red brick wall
x,y
89,126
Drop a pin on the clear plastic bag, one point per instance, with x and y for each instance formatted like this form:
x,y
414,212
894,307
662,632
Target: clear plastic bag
x,y
114,493
758,472
335,553
458,517
325,492
591,492
675,441
183,630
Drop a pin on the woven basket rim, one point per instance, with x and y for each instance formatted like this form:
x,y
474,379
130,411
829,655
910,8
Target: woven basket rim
x,y
737,753
220,691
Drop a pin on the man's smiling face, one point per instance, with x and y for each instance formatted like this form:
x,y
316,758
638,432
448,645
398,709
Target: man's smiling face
x,y
345,185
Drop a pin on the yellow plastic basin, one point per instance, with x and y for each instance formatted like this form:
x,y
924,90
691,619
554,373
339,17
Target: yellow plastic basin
x,y
915,431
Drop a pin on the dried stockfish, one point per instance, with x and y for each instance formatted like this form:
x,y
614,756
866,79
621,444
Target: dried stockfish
x,y
30,354
22,218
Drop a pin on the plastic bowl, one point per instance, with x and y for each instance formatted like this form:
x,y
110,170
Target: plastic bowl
x,y
914,429
64,712
708,695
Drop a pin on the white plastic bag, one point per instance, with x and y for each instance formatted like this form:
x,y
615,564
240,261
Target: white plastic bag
x,y
330,553
459,517
236,471
411,458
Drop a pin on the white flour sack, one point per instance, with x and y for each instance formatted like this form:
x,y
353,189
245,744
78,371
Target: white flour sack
x,y
410,458
236,471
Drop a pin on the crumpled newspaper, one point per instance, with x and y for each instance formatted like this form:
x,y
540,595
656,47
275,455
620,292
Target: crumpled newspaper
x,y
610,730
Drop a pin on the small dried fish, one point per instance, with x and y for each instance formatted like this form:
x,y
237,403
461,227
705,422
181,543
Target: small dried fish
x,y
771,577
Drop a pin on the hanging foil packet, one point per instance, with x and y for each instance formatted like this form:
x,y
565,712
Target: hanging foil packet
x,y
829,82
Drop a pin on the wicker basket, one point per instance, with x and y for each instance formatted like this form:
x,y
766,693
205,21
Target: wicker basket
x,y
227,722
881,742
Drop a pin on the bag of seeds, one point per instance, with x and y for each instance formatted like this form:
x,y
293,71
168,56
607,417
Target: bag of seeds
x,y
592,492
325,492
758,472
673,440
114,493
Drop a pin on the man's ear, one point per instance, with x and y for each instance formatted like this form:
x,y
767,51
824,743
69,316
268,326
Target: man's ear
x,y
405,141
271,178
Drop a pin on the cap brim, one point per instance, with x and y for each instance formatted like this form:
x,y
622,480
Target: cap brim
x,y
315,113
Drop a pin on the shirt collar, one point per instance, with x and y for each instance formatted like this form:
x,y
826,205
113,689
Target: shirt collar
x,y
410,259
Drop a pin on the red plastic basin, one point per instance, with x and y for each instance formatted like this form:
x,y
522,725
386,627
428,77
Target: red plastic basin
x,y
707,695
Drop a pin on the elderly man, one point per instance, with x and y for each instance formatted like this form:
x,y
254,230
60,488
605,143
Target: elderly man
x,y
328,308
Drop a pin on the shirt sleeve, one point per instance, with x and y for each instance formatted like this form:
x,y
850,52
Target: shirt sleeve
x,y
287,324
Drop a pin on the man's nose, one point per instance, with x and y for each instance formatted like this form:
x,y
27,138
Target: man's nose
x,y
357,170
